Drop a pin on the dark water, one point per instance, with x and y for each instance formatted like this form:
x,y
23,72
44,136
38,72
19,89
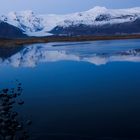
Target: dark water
x,y
78,92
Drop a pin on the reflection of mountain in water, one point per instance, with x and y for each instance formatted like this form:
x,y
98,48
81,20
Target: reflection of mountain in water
x,y
32,55
6,52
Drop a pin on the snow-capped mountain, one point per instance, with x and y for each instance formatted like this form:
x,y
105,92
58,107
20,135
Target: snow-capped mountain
x,y
25,20
32,24
98,20
101,16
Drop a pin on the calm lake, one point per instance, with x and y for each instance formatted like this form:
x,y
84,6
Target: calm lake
x,y
77,91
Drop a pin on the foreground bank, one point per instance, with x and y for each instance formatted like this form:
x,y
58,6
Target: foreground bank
x,y
30,40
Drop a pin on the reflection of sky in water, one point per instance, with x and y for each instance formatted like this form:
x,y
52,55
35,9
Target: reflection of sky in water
x,y
98,53
71,100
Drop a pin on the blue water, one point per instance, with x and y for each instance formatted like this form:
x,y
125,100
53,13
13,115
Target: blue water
x,y
69,97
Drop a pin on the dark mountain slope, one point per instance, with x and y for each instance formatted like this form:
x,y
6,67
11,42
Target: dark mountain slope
x,y
10,31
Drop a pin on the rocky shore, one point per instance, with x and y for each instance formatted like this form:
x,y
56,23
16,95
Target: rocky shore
x,y
11,127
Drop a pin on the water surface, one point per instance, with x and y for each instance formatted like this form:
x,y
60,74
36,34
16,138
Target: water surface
x,y
78,91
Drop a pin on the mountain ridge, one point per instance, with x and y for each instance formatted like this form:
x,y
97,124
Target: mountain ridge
x,y
97,18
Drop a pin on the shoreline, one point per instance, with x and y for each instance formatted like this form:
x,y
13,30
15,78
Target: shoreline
x,y
49,39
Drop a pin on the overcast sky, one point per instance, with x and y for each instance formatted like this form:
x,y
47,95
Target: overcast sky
x,y
62,6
